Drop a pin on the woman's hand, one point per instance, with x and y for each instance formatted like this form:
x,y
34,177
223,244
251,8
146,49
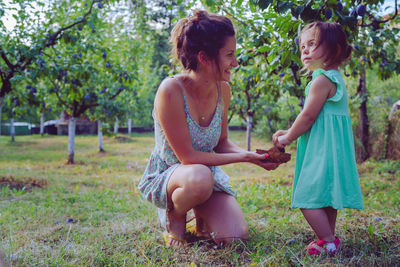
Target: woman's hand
x,y
256,159
269,166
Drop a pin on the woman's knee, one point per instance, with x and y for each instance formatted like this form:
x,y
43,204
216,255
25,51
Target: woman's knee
x,y
200,181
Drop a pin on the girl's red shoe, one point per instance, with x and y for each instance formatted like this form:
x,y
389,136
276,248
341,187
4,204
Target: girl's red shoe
x,y
317,247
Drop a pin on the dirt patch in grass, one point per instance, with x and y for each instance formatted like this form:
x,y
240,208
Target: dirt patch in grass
x,y
99,154
26,184
20,143
124,139
78,162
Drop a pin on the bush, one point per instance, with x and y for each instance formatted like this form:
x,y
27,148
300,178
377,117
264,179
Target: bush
x,y
382,94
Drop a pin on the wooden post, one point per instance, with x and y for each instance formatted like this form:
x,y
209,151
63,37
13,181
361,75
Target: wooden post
x,y
100,135
249,128
71,139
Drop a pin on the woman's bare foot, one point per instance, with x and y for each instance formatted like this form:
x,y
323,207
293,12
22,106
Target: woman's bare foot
x,y
201,230
176,228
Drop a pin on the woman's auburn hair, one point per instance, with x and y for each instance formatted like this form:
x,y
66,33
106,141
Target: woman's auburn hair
x,y
202,31
333,38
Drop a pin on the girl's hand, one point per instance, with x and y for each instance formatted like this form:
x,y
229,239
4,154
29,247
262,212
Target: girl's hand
x,y
276,135
283,140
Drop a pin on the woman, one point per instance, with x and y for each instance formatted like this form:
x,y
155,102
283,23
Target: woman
x,y
190,115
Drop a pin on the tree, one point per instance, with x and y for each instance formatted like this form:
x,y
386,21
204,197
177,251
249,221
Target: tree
x,y
24,47
84,82
275,25
248,84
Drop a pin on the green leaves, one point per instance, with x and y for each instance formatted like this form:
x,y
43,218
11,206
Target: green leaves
x,y
309,14
297,10
262,4
263,49
283,6
209,2
239,3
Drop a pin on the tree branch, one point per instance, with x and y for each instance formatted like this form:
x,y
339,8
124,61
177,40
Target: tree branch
x,y
57,35
375,22
115,95
4,57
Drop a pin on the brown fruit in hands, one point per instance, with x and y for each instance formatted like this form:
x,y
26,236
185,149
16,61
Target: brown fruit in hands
x,y
276,155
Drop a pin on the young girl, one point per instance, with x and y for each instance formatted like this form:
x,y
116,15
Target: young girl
x,y
326,177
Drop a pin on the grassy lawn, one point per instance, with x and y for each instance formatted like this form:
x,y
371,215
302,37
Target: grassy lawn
x,y
92,214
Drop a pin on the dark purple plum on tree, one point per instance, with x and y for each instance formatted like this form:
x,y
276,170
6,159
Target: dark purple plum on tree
x,y
339,6
361,10
328,13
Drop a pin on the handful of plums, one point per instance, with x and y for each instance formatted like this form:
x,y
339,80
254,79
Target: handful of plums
x,y
276,155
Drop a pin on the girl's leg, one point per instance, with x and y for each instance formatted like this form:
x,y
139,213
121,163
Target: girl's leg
x,y
332,214
188,186
223,218
319,221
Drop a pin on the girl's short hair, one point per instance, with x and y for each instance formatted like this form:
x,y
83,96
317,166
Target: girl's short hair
x,y
203,31
333,38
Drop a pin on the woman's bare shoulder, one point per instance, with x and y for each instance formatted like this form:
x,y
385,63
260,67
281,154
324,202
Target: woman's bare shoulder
x,y
168,99
169,90
169,84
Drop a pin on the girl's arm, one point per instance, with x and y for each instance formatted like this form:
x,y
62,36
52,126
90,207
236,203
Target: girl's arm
x,y
169,111
321,88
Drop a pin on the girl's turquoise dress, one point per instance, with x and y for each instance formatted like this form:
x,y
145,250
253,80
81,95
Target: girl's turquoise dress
x,y
326,171
163,160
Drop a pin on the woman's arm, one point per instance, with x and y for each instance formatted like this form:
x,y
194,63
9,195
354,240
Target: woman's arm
x,y
225,145
169,110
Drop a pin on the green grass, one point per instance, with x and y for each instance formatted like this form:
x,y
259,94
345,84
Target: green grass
x,y
91,213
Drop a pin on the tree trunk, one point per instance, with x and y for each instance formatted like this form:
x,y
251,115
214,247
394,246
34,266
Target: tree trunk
x,y
100,135
71,140
42,123
116,126
249,127
364,121
389,133
1,108
129,126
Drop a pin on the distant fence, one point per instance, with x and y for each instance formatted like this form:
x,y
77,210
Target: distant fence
x,y
52,130
19,129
